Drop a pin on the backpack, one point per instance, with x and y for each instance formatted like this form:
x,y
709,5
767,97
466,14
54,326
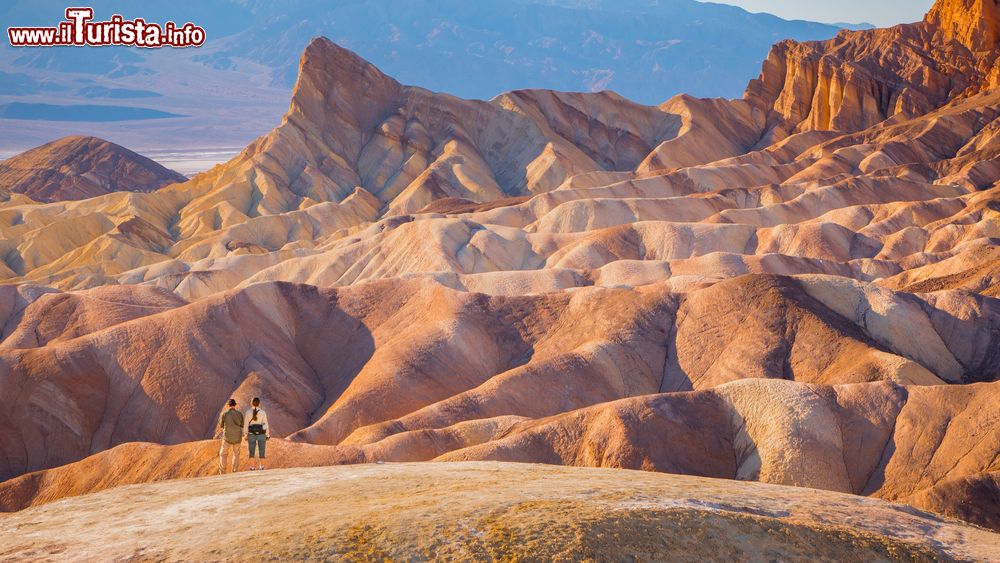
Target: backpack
x,y
255,428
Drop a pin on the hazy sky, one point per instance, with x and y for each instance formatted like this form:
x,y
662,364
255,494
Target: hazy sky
x,y
879,12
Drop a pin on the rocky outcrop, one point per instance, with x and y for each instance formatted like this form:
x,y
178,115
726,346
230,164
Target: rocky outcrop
x,y
973,23
74,168
861,78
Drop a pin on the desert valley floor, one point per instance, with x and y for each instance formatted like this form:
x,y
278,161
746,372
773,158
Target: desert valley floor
x,y
800,287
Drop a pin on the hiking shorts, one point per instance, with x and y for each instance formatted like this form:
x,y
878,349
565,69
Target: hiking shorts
x,y
225,452
258,441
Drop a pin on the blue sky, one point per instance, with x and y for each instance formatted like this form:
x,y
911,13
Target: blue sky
x,y
879,12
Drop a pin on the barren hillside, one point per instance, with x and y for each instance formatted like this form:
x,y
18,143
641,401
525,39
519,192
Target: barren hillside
x,y
799,287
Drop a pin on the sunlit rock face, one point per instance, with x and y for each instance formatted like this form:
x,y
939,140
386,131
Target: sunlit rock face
x,y
973,23
861,78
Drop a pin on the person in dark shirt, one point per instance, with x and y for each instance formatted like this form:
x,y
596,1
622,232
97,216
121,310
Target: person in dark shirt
x,y
231,425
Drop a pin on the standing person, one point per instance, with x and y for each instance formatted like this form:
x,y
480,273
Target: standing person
x,y
231,424
257,432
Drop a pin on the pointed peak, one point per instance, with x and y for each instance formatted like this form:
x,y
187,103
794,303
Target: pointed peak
x,y
325,56
322,46
973,23
331,74
336,86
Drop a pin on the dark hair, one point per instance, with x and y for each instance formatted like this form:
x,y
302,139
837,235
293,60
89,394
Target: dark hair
x,y
256,403
232,402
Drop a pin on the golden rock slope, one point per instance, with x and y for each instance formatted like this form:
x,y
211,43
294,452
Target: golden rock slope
x,y
798,287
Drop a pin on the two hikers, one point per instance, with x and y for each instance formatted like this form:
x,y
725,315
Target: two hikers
x,y
235,426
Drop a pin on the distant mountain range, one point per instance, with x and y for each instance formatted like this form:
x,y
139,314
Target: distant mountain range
x,y
646,50
234,87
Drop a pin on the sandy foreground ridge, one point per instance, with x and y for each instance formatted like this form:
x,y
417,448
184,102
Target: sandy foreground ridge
x,y
481,510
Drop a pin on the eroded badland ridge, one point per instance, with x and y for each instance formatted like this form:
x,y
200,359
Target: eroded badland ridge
x,y
798,287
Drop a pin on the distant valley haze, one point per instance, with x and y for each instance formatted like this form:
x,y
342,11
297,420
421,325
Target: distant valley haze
x,y
883,13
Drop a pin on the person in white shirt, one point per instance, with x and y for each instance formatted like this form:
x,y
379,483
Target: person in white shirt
x,y
257,431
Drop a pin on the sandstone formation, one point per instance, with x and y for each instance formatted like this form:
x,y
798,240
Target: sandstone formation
x,y
74,168
905,195
481,511
973,23
412,371
861,78
799,287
